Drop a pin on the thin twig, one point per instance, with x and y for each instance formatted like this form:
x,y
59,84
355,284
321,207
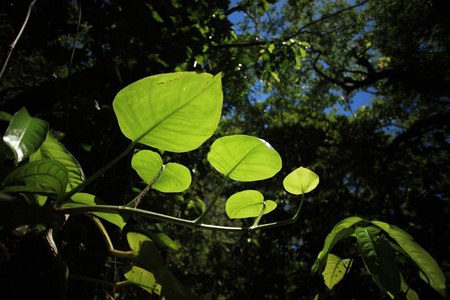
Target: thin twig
x,y
13,44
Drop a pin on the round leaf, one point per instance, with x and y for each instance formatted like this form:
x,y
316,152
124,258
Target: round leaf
x,y
174,179
244,158
247,204
147,164
175,112
301,181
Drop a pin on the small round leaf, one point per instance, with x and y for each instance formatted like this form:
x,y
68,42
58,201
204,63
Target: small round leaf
x,y
301,181
248,204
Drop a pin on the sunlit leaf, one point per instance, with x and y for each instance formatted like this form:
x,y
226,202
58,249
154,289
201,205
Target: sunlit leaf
x,y
143,278
163,240
43,174
244,158
340,230
335,270
54,150
301,181
25,134
175,112
424,261
81,199
247,204
174,178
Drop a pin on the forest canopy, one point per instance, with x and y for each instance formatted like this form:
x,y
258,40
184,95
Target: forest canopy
x,y
291,71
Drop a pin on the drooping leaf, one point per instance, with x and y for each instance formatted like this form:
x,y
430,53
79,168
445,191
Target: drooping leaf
x,y
25,134
145,252
379,259
81,199
424,261
301,181
54,150
143,278
247,204
163,240
244,158
175,112
43,174
335,270
174,178
339,231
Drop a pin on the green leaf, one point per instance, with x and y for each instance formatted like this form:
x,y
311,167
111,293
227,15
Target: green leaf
x,y
163,240
339,231
275,75
244,158
4,116
175,112
247,204
81,199
25,134
29,189
174,178
145,252
147,164
143,278
54,150
379,258
301,181
335,270
44,174
424,261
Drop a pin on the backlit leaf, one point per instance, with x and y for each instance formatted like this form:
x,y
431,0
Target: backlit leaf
x,y
301,181
143,278
175,112
54,150
340,230
247,204
244,158
43,174
335,270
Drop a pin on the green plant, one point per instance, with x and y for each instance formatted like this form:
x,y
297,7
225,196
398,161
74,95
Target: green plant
x,y
381,246
174,112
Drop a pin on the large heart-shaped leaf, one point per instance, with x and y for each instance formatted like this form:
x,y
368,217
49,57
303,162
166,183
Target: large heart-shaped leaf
x,y
81,199
145,252
54,150
247,204
175,112
25,134
244,158
174,178
335,270
340,230
425,262
42,174
301,181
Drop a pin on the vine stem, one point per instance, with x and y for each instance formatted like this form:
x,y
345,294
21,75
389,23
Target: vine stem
x,y
13,44
169,219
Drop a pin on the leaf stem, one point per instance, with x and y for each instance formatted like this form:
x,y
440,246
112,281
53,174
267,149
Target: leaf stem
x,y
178,221
255,224
213,202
